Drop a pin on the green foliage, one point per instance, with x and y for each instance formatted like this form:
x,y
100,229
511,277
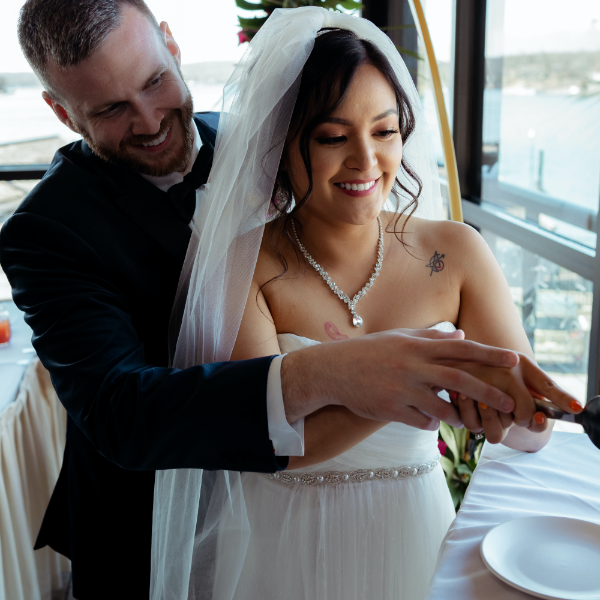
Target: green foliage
x,y
460,459
409,52
251,26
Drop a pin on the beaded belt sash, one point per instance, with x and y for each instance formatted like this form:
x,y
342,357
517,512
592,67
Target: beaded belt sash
x,y
358,476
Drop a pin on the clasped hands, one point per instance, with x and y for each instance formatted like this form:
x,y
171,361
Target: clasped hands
x,y
522,382
498,393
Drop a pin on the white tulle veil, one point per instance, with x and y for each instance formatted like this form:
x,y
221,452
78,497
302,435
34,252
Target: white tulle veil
x,y
258,103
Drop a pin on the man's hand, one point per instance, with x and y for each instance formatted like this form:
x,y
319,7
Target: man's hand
x,y
393,376
523,383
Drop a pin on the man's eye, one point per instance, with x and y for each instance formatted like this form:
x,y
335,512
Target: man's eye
x,y
154,82
330,141
111,110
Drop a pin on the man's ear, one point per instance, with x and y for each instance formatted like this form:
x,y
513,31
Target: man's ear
x,y
59,111
170,41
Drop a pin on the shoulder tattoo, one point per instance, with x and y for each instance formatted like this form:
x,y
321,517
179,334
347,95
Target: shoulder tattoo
x,y
436,264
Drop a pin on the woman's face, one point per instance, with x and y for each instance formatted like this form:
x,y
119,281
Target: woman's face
x,y
354,155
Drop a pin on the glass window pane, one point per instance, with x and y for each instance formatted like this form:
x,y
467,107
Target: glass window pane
x,y
29,131
555,306
541,125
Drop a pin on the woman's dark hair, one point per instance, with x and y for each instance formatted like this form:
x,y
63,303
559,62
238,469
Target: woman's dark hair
x,y
327,74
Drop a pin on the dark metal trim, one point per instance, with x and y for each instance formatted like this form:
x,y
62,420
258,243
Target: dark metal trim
x,y
376,11
469,79
21,172
568,254
394,13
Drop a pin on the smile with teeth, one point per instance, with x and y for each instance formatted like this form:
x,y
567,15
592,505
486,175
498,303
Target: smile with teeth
x,y
158,140
357,187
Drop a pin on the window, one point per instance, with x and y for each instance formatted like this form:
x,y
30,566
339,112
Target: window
x,y
555,306
541,118
531,167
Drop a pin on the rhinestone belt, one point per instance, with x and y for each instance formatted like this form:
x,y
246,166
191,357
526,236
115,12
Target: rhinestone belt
x,y
358,476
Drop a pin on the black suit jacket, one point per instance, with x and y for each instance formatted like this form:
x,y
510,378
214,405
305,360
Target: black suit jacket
x,y
93,255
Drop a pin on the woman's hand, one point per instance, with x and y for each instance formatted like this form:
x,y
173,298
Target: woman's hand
x,y
522,383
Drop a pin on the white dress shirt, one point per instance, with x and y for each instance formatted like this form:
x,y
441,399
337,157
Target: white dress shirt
x,y
287,440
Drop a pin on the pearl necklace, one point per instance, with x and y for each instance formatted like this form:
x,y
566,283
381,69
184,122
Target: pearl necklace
x,y
356,319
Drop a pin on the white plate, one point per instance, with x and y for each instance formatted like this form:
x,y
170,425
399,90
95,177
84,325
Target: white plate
x,y
548,557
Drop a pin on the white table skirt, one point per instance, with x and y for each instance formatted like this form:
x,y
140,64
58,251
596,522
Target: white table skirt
x,y
563,480
32,438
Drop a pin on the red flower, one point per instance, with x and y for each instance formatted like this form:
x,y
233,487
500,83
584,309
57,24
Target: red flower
x,y
442,447
242,37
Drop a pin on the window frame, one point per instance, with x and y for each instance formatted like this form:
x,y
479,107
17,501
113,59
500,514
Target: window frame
x,y
23,172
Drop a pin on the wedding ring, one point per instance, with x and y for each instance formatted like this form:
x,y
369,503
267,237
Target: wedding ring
x,y
479,436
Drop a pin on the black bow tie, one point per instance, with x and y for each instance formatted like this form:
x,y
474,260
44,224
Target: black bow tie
x,y
182,196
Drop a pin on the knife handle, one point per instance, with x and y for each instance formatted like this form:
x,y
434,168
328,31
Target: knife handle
x,y
552,411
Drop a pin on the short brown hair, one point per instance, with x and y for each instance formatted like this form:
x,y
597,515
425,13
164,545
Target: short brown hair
x,y
67,32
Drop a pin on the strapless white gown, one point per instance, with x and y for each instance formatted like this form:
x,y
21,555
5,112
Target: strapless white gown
x,y
372,540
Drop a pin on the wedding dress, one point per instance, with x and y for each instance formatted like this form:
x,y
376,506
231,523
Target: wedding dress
x,y
320,533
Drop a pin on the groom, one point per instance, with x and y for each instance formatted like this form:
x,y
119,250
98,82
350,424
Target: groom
x,y
94,254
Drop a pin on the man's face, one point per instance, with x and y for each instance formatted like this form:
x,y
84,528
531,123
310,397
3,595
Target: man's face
x,y
128,100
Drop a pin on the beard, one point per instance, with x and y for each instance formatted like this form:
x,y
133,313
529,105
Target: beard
x,y
170,160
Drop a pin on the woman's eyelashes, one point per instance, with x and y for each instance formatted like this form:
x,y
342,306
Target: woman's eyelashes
x,y
339,139
330,141
386,133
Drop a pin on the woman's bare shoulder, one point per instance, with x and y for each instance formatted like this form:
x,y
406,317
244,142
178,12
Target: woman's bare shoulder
x,y
459,243
449,232
427,233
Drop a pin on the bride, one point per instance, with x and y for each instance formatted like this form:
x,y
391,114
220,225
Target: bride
x,y
331,150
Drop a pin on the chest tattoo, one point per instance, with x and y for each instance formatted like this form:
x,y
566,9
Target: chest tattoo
x,y
436,264
333,332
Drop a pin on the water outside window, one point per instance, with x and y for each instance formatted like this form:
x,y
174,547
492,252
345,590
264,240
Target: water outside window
x,y
541,125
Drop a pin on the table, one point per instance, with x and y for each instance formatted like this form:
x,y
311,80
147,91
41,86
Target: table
x,y
563,479
32,439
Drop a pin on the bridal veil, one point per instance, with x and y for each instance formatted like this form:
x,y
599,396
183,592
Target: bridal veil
x,y
189,504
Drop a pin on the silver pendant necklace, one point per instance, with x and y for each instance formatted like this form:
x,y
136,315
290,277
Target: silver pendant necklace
x,y
356,319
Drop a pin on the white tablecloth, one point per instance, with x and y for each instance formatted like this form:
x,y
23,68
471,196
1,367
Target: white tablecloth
x,y
32,439
563,479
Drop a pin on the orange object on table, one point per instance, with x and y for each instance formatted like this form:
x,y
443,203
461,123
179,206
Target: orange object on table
x,y
4,331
